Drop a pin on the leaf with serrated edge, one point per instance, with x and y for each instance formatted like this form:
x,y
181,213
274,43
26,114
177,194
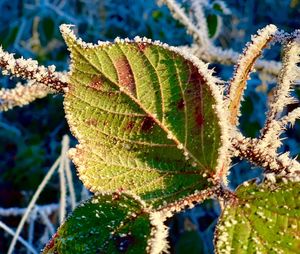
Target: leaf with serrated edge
x,y
110,224
147,118
264,219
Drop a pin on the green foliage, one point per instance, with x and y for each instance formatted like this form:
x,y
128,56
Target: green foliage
x,y
144,117
189,242
212,24
263,219
103,224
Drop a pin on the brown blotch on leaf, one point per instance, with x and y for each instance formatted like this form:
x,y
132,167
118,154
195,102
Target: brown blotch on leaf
x,y
129,125
96,83
92,122
181,104
51,244
195,77
147,124
196,82
125,74
116,195
199,118
142,46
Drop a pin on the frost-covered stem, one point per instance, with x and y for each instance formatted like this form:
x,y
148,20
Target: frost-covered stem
x,y
197,6
189,201
19,238
158,242
62,179
32,203
224,196
178,13
16,211
31,229
22,95
244,67
46,221
290,118
287,76
29,69
70,182
259,155
230,57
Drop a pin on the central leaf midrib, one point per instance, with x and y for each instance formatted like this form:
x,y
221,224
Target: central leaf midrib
x,y
165,129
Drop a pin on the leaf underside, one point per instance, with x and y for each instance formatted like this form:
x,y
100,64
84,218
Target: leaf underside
x,y
103,224
144,118
263,221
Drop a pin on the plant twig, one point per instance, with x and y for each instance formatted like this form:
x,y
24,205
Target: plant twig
x,y
22,95
62,179
244,67
287,76
29,69
269,160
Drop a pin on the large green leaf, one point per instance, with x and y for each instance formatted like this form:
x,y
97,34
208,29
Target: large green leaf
x,y
104,224
263,220
145,118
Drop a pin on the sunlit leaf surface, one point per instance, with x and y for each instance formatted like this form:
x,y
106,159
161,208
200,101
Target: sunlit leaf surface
x,y
263,220
103,224
145,119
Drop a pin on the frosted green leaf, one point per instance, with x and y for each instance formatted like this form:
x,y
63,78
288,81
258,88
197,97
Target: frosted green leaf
x,y
103,224
264,219
145,118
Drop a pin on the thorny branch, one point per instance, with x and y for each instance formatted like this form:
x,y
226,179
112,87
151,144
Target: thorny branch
x,y
262,151
22,95
244,67
271,162
29,69
41,81
281,97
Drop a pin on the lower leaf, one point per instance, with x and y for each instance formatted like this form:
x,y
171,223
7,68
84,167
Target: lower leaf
x,y
106,224
263,219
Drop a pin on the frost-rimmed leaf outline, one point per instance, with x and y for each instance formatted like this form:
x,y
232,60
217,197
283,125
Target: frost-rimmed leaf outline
x,y
151,118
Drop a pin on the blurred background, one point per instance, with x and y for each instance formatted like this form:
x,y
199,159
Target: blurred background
x,y
30,137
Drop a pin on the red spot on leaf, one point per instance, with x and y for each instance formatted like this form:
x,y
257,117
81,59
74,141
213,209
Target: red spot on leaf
x,y
92,122
142,46
96,83
195,77
196,81
147,124
117,195
51,243
181,104
125,74
129,125
199,118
